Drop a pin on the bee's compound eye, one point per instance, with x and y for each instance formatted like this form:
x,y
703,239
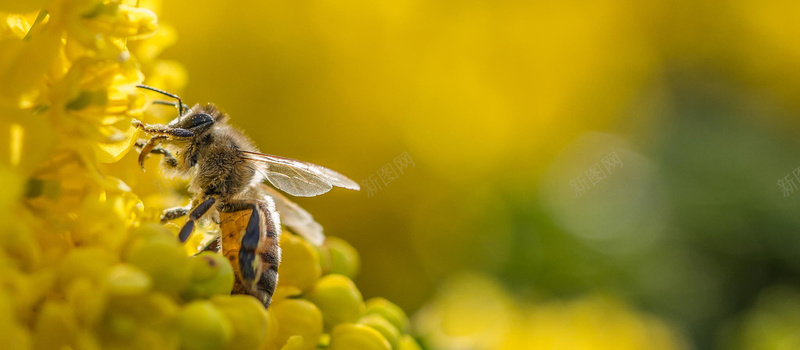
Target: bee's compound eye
x,y
197,120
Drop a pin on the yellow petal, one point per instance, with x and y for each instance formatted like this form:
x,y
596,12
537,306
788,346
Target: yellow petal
x,y
121,20
113,152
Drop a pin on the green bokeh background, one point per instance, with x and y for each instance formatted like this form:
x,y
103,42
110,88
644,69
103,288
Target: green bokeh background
x,y
500,104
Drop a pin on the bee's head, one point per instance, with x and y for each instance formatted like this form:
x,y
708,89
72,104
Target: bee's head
x,y
198,119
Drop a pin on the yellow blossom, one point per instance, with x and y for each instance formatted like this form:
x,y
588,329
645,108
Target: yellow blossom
x,y
85,263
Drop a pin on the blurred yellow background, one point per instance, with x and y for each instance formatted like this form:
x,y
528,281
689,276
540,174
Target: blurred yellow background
x,y
502,106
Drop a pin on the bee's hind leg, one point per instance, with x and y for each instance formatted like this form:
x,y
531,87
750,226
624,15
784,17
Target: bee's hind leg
x,y
174,213
195,215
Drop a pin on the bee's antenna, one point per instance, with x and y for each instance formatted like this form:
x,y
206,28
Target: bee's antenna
x,y
180,105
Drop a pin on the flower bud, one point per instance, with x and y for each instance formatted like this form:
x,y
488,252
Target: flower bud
x,y
344,258
355,336
300,263
201,326
297,317
386,328
165,262
127,280
389,311
338,299
211,275
248,320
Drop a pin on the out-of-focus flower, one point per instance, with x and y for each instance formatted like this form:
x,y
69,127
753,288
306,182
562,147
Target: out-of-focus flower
x,y
475,312
773,324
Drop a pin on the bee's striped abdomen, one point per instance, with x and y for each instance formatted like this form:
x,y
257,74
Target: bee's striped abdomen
x,y
254,255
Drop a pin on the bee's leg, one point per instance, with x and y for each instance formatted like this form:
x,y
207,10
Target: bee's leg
x,y
161,129
148,147
195,215
174,213
212,246
254,251
169,160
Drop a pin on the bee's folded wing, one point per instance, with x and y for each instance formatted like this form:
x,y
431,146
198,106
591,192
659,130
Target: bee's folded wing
x,y
295,217
296,177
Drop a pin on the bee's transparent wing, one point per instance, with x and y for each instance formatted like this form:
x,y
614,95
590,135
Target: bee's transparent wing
x,y
298,178
295,217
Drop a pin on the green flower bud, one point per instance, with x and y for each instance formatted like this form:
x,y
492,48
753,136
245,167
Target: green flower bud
x,y
55,327
389,311
164,261
91,262
344,258
295,342
201,326
300,265
248,318
297,317
386,328
127,280
338,299
355,336
87,300
211,275
408,343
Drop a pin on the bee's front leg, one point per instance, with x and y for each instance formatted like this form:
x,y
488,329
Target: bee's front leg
x,y
169,160
161,129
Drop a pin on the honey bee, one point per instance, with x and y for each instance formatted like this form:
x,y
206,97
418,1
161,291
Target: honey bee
x,y
226,174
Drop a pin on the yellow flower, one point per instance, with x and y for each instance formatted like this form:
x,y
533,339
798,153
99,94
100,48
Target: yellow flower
x,y
475,312
85,265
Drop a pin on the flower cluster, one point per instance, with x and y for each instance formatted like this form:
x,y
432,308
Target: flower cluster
x,y
83,263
